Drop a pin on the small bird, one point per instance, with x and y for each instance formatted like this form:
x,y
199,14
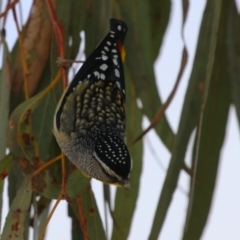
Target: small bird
x,y
89,121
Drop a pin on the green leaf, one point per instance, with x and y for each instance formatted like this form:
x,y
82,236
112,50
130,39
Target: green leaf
x,y
15,179
97,22
36,38
29,136
14,227
42,130
76,230
159,13
189,119
139,62
5,163
4,97
85,208
212,133
72,17
76,183
232,50
46,185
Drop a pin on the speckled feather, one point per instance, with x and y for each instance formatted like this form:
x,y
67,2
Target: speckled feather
x,y
89,122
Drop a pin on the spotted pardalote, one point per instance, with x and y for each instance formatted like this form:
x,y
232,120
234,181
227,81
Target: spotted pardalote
x,y
89,121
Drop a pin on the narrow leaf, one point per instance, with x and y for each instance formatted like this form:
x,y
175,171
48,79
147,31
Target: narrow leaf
x,y
211,134
188,121
14,227
5,163
85,208
4,98
36,38
232,49
139,62
76,184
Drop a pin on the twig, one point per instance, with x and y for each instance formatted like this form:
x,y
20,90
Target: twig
x,y
82,218
46,164
163,108
59,38
49,217
8,7
23,56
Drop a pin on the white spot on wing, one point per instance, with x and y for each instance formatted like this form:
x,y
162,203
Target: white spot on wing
x,y
115,61
117,73
102,76
104,66
108,43
114,50
118,85
96,74
104,57
106,48
119,27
